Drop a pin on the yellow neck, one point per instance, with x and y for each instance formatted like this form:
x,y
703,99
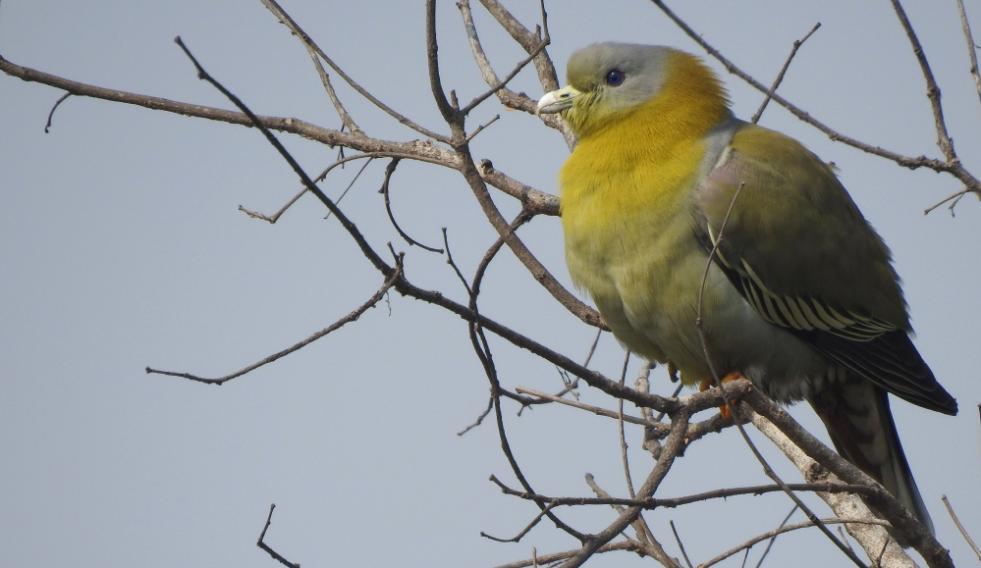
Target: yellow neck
x,y
644,160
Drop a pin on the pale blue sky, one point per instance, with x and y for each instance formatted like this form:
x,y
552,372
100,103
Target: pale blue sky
x,y
121,247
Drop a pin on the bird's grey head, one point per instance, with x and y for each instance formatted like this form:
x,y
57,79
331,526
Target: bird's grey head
x,y
623,75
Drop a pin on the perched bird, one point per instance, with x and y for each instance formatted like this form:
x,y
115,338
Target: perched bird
x,y
800,297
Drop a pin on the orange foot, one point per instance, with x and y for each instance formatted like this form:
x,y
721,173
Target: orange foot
x,y
708,383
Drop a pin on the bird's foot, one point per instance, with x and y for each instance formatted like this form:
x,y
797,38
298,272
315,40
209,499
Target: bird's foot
x,y
707,383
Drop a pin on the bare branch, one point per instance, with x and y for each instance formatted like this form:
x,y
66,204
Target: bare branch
x,y
681,545
288,21
960,527
353,316
471,173
342,112
787,528
389,171
782,73
599,411
480,418
517,538
508,98
533,200
972,50
451,113
481,128
651,503
645,538
954,168
272,219
913,532
507,78
875,540
370,158
482,350
527,40
672,448
621,435
547,559
773,539
944,142
950,201
47,125
261,543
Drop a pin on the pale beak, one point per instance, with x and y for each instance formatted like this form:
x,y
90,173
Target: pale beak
x,y
557,101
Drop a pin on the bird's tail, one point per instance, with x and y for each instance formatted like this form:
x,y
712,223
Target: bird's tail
x,y
856,414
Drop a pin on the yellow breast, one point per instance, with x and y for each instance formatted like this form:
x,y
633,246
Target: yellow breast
x,y
625,194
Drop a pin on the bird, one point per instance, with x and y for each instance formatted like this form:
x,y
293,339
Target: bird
x,y
678,216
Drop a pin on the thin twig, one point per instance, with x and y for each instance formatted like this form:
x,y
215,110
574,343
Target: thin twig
x,y
351,183
507,78
451,113
527,39
783,71
673,446
944,142
621,435
951,201
524,531
347,121
592,348
288,21
480,418
545,278
536,201
261,543
47,125
385,191
972,50
272,219
773,539
481,128
353,316
645,538
960,527
597,410
549,559
482,350
508,98
651,503
681,545
796,526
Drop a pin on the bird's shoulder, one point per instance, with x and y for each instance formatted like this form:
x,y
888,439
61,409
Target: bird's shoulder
x,y
793,226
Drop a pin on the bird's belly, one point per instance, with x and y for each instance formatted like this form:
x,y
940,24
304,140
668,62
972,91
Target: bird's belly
x,y
644,284
650,300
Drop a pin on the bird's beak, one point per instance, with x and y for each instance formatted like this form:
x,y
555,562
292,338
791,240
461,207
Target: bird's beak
x,y
557,101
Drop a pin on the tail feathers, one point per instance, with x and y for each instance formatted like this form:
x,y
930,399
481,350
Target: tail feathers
x,y
857,416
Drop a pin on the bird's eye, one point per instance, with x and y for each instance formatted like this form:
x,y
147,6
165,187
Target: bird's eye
x,y
615,77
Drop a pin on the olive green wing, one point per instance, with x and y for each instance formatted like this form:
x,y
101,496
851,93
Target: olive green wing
x,y
802,255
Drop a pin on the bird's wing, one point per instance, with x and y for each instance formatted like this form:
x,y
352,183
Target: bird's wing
x,y
801,254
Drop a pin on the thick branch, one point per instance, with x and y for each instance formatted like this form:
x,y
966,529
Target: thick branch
x,y
914,533
873,538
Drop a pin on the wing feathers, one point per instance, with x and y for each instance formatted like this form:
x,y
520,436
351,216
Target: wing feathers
x,y
867,346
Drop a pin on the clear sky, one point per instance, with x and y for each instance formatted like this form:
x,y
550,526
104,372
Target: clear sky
x,y
121,246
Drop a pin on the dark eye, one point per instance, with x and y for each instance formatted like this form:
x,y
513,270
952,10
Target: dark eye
x,y
615,77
